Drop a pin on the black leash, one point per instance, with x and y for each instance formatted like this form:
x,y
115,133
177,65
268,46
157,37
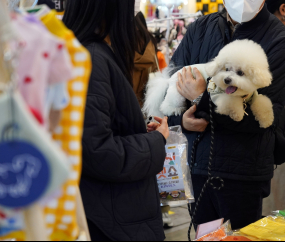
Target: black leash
x,y
210,180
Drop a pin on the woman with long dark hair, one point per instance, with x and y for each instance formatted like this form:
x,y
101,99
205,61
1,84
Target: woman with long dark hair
x,y
120,159
145,57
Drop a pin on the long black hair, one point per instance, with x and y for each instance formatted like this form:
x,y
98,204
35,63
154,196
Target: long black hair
x,y
94,20
274,5
143,36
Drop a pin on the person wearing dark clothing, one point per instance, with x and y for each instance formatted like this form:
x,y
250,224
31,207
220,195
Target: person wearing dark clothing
x,y
145,57
49,3
120,159
243,152
277,7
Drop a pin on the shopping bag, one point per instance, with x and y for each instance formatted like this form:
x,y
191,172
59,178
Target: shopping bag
x,y
174,181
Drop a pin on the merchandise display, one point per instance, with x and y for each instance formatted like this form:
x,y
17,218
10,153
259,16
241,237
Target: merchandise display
x,y
271,228
100,140
42,127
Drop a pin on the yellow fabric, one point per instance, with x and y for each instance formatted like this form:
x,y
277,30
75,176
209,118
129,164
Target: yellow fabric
x,y
17,235
61,213
266,229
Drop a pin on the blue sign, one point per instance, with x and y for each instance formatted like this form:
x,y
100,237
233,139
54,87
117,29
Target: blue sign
x,y
24,174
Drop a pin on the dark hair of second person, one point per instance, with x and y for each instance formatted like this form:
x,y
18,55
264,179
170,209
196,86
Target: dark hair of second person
x,y
145,57
143,36
93,21
277,7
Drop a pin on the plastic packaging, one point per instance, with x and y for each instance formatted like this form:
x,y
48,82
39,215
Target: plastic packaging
x,y
271,228
174,182
236,238
279,213
218,235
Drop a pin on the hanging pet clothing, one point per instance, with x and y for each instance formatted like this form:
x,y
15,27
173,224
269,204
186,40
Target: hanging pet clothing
x,y
174,182
61,215
30,136
32,165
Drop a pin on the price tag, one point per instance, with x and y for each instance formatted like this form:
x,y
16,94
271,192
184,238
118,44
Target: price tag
x,y
24,174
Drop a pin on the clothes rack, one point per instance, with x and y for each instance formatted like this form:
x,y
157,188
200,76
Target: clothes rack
x,y
168,24
184,16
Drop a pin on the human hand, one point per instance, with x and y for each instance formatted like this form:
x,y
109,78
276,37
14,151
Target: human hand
x,y
188,86
190,123
161,126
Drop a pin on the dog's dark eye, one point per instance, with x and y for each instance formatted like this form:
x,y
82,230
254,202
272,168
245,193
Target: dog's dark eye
x,y
240,73
227,69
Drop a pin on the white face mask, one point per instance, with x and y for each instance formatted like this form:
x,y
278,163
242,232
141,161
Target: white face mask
x,y
137,6
243,10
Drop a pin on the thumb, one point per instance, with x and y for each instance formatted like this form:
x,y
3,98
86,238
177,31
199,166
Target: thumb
x,y
191,110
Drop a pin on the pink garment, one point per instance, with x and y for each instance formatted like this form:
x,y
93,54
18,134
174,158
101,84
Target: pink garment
x,y
43,61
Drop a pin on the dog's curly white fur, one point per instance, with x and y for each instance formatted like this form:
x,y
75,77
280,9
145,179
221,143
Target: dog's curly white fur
x,y
240,69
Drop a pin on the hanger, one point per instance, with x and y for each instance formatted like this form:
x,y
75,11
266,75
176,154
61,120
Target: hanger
x,y
39,10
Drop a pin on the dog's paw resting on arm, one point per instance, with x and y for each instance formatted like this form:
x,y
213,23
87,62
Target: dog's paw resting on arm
x,y
262,109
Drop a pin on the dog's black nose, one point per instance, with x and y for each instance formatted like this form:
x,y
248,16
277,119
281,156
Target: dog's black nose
x,y
228,80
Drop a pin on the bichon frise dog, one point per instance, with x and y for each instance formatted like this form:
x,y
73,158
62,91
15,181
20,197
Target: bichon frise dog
x,y
240,69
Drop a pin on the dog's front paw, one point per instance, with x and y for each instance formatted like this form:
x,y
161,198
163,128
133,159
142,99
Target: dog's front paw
x,y
236,116
262,109
266,123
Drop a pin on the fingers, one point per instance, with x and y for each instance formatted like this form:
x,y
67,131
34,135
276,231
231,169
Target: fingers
x,y
152,127
179,88
164,121
200,122
189,74
180,80
184,74
198,75
158,119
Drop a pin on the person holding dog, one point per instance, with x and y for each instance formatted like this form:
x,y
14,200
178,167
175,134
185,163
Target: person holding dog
x,y
243,152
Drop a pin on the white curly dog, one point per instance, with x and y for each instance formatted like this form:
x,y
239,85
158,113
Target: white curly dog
x,y
239,70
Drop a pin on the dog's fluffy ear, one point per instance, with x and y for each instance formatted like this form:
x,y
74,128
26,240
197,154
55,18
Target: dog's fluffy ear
x,y
212,68
262,77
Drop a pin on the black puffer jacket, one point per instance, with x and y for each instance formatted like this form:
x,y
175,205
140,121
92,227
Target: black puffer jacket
x,y
120,159
243,151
